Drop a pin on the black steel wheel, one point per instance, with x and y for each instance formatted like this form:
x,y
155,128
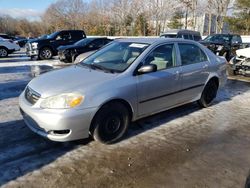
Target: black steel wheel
x,y
209,93
110,123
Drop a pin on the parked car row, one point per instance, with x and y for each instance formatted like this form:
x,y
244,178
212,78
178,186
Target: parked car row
x,y
69,44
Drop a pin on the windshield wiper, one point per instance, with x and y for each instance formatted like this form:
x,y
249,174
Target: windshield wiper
x,y
97,66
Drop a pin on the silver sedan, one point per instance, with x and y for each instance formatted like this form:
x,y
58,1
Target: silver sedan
x,y
127,80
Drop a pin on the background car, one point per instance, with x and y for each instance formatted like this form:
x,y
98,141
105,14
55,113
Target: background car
x,y
7,47
122,82
223,44
240,64
69,53
6,36
182,33
46,46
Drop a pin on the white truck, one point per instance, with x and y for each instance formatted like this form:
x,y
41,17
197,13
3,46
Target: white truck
x,y
7,47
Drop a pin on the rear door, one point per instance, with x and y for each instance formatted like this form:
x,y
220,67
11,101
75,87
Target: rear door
x,y
159,90
194,70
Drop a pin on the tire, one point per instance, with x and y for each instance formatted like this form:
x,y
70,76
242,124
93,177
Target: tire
x,y
45,53
3,52
208,95
110,123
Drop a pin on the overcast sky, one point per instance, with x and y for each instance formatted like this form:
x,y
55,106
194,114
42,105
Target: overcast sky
x,y
30,9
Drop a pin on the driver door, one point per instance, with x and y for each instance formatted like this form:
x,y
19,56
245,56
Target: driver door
x,y
159,90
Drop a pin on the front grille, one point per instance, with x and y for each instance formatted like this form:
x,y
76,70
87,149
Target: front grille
x,y
31,96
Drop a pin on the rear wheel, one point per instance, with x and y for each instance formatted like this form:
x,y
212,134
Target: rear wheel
x,y
45,53
110,123
3,52
208,95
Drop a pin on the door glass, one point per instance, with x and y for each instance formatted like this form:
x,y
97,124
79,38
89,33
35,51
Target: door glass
x,y
191,54
163,57
185,36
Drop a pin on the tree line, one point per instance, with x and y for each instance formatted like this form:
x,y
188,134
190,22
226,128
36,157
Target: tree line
x,y
127,17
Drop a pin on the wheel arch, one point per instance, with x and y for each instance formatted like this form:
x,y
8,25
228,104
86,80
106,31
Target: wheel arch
x,y
215,78
4,48
120,100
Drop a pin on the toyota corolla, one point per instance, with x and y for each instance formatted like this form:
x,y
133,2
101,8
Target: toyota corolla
x,y
127,80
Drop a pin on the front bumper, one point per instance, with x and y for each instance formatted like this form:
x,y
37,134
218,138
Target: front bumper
x,y
67,58
57,125
31,53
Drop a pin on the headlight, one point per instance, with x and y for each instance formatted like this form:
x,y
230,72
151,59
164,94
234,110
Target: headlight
x,y
63,101
34,45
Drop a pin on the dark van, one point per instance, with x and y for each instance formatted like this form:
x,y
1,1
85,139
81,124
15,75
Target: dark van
x,y
182,33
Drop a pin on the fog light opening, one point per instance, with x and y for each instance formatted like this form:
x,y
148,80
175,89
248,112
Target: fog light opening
x,y
60,132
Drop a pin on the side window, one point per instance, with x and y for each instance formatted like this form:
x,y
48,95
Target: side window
x,y
190,37
191,54
63,36
185,36
66,36
163,57
236,39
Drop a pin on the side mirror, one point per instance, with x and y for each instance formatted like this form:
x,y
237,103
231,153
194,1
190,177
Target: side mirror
x,y
147,69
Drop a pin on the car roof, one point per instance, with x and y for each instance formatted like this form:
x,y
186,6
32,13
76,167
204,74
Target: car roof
x,y
152,40
180,31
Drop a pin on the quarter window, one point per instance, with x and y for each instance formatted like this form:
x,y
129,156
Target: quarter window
x,y
163,57
191,54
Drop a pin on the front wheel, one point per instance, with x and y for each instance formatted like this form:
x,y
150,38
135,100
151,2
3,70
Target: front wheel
x,y
3,52
110,123
45,53
208,95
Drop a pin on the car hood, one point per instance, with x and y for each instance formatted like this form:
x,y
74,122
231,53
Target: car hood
x,y
71,79
243,52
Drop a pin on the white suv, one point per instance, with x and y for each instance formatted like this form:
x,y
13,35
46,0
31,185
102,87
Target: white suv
x,y
7,47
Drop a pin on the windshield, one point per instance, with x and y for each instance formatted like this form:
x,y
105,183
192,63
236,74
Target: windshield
x,y
217,38
43,37
84,42
116,57
52,35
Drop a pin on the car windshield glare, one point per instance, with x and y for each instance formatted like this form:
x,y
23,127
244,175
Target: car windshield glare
x,y
84,42
117,56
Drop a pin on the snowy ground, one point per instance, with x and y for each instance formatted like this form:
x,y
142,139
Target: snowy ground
x,y
182,147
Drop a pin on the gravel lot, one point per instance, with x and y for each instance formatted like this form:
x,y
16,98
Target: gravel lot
x,y
183,147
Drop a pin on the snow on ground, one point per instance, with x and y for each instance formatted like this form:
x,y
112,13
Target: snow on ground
x,y
183,147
